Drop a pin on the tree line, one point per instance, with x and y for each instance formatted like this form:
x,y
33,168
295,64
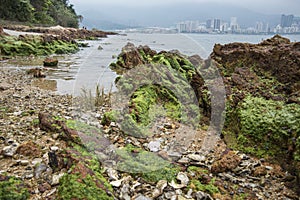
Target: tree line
x,y
47,12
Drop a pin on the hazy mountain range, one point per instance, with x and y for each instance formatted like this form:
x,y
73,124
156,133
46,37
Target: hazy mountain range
x,y
119,17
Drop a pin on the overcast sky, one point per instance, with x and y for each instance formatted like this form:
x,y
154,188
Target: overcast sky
x,y
263,6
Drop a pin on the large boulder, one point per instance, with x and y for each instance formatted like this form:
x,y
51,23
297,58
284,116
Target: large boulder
x,y
263,103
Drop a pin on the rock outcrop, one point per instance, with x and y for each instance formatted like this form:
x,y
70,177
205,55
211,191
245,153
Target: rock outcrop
x,y
276,61
26,45
263,102
262,83
63,32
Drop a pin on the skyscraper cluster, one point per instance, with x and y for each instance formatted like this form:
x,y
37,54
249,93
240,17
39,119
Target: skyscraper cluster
x,y
288,24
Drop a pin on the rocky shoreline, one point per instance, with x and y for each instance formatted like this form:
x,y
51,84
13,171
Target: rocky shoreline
x,y
52,40
73,33
47,140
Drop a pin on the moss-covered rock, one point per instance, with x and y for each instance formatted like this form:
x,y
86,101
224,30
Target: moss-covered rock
x,y
36,45
154,80
85,179
262,88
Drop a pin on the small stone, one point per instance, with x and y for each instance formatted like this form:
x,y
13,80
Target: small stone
x,y
269,168
189,194
183,160
142,197
196,157
55,136
160,186
39,169
11,150
175,155
100,48
24,162
29,176
176,186
183,178
36,161
181,198
154,146
54,148
117,183
50,62
56,178
112,174
44,187
168,126
203,196
51,192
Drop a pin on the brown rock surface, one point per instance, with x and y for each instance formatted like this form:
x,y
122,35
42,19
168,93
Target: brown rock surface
x,y
243,65
228,162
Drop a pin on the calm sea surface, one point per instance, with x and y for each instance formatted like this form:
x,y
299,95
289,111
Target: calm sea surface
x,y
90,66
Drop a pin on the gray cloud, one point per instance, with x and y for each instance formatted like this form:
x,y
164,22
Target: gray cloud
x,y
262,6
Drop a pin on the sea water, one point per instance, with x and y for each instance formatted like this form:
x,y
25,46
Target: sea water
x,y
90,66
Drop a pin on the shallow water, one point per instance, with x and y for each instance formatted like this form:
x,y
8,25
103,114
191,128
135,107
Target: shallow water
x,y
90,66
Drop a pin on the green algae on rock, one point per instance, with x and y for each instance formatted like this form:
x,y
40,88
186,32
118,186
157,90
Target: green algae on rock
x,y
262,88
85,180
148,165
12,188
36,45
153,80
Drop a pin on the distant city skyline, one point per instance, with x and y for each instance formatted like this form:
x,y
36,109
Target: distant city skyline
x,y
287,24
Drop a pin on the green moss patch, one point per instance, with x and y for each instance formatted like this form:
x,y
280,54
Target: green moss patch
x,y
34,45
210,188
12,188
85,180
267,127
148,165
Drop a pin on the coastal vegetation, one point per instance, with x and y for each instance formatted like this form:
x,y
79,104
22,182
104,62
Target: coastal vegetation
x,y
45,12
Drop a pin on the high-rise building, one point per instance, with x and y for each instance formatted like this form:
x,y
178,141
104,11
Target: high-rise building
x,y
259,27
233,24
209,24
217,24
286,20
182,27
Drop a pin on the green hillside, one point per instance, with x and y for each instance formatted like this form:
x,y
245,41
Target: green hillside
x,y
46,12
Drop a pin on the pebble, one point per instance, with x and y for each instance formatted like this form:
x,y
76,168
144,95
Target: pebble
x,y
10,151
112,174
56,178
36,161
24,162
154,146
142,197
160,186
117,183
269,168
183,178
196,157
183,160
54,148
176,186
203,196
39,169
